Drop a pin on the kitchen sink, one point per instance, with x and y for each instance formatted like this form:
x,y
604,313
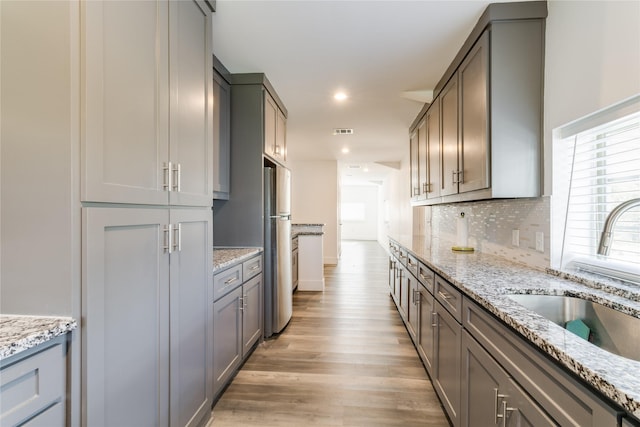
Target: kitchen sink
x,y
611,330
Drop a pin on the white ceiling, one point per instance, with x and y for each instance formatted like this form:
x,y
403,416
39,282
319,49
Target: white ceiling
x,y
375,51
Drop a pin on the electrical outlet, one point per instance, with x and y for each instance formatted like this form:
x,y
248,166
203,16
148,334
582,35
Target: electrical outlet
x,y
539,241
515,237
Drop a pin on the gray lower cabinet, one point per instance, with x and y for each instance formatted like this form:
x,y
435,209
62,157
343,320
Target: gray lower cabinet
x,y
446,374
227,338
294,263
490,397
413,306
237,318
32,386
426,330
146,336
484,373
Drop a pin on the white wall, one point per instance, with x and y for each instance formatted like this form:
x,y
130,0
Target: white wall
x,y
395,195
314,200
367,195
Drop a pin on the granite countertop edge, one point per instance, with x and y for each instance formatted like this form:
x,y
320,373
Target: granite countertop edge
x,y
488,279
225,257
22,332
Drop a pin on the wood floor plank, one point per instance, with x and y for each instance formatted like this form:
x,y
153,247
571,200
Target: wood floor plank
x,y
345,359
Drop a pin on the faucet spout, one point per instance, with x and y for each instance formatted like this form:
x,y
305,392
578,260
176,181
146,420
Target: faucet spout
x,y
607,232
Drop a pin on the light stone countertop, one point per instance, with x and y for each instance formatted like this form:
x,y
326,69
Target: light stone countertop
x,y
19,333
224,257
306,230
488,279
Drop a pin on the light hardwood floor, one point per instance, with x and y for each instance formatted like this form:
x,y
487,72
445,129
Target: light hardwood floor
x,y
345,359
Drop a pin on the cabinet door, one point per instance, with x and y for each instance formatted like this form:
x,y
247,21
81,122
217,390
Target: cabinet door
x,y
413,307
227,337
426,329
280,149
449,129
191,323
414,167
251,313
433,150
474,96
270,124
125,139
485,386
125,291
521,410
447,368
221,137
191,103
403,294
392,276
294,269
423,161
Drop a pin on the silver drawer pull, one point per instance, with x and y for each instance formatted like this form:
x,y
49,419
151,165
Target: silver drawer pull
x,y
445,296
230,281
254,268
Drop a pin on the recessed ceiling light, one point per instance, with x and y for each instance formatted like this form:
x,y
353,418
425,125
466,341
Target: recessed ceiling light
x,y
345,150
340,96
366,169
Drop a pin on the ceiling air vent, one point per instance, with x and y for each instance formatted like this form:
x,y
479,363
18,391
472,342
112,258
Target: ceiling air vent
x,y
343,131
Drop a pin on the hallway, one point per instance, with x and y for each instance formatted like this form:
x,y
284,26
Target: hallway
x,y
345,359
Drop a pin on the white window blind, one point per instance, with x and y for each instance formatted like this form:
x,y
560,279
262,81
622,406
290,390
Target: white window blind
x,y
605,171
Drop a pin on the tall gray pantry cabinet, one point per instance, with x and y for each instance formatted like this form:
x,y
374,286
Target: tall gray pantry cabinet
x,y
146,188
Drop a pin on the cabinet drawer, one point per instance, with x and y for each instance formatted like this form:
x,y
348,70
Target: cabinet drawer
x,y
226,281
426,276
34,383
412,264
251,267
449,297
402,255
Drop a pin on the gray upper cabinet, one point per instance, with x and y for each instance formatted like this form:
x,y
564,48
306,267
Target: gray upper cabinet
x,y
190,103
275,130
221,137
414,179
433,175
146,291
147,103
449,155
490,107
473,167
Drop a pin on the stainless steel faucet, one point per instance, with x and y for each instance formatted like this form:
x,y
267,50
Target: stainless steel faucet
x,y
612,218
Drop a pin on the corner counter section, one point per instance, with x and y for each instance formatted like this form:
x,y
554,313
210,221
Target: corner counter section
x,y
310,256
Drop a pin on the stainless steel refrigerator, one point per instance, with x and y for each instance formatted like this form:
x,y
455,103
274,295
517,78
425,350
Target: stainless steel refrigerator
x,y
278,299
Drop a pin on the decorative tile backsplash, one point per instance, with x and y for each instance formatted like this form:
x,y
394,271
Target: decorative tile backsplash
x,y
490,227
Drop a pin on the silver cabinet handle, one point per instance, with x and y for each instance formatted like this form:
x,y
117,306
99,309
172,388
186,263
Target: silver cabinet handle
x,y
166,176
505,409
445,296
178,172
177,238
241,301
453,177
460,177
167,239
434,322
254,268
497,396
